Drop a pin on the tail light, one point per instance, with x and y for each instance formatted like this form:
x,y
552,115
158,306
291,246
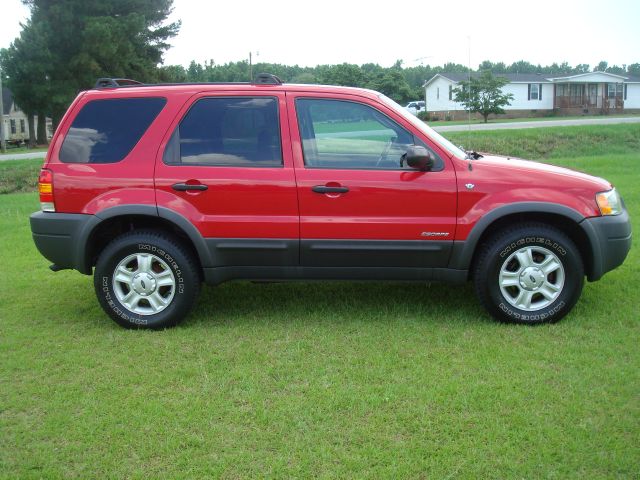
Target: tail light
x,y
45,188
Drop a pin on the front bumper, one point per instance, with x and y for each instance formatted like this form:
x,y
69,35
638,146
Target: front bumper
x,y
610,238
60,238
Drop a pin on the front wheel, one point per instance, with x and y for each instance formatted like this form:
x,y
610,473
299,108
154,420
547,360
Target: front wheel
x,y
146,279
531,274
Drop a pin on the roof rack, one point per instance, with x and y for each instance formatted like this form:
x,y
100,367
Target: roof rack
x,y
267,78
115,82
261,79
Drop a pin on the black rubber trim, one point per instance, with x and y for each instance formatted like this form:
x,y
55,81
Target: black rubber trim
x,y
375,253
252,251
58,237
610,237
63,238
462,251
215,276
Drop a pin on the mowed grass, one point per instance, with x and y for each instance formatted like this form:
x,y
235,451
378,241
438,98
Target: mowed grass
x,y
501,119
555,142
330,380
19,175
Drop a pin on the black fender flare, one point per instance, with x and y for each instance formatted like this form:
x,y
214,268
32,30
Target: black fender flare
x,y
82,259
463,250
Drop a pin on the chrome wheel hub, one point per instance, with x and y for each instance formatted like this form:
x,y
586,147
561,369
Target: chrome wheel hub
x,y
531,278
144,284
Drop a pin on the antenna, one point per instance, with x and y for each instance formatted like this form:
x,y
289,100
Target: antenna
x,y
469,71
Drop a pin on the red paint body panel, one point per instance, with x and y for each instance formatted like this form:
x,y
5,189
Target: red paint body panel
x,y
240,202
85,188
278,202
500,181
380,204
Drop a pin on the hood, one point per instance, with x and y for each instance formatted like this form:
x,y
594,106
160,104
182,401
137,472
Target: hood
x,y
537,170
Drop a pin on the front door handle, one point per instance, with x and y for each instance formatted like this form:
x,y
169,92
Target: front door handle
x,y
183,187
325,189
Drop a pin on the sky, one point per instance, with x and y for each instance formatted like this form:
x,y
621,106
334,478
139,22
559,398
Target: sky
x,y
309,33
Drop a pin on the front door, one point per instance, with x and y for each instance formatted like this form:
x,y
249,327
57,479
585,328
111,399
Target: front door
x,y
227,168
593,94
359,205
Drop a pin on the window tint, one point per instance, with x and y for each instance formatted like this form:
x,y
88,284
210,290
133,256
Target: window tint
x,y
349,135
238,131
105,131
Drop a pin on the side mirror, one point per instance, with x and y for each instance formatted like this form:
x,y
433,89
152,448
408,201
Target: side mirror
x,y
419,158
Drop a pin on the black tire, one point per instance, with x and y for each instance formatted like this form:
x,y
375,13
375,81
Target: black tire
x,y
167,259
543,243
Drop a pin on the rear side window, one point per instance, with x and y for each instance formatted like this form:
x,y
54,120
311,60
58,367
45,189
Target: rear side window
x,y
105,131
229,131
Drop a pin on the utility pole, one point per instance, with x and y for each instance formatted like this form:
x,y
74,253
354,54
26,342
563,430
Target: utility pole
x,y
3,144
251,65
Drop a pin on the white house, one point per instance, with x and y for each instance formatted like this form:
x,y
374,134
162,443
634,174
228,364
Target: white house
x,y
539,94
16,123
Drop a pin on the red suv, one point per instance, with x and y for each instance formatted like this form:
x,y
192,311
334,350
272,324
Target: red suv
x,y
161,187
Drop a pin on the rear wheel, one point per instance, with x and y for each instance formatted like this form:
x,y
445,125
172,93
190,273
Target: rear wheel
x,y
146,279
531,274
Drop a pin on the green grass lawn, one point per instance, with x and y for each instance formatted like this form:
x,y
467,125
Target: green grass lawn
x,y
330,380
500,119
19,175
11,150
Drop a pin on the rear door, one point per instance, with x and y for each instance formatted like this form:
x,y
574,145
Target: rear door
x,y
359,206
227,168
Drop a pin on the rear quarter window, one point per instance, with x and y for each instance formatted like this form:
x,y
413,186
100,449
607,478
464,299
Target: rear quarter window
x,y
105,131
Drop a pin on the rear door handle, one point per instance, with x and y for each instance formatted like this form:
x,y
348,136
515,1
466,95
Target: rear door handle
x,y
183,187
325,189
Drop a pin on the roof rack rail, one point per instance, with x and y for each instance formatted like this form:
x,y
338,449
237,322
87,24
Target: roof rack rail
x,y
267,79
116,82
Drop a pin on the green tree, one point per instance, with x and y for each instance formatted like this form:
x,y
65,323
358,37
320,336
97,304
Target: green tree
x,y
25,64
615,69
602,66
88,39
634,69
393,85
345,74
522,66
498,67
484,95
305,77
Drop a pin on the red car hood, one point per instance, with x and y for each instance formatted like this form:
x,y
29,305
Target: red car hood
x,y
538,170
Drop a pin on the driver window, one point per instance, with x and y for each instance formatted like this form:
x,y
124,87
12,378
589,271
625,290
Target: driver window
x,y
347,135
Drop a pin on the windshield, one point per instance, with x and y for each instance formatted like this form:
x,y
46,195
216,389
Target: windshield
x,y
424,128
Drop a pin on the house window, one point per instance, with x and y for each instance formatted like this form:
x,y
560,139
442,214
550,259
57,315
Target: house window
x,y
625,91
450,92
576,92
614,90
534,91
438,93
12,122
22,129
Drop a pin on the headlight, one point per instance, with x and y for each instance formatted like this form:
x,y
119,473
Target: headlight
x,y
609,202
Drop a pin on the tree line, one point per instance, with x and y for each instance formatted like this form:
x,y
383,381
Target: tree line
x,y
65,45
